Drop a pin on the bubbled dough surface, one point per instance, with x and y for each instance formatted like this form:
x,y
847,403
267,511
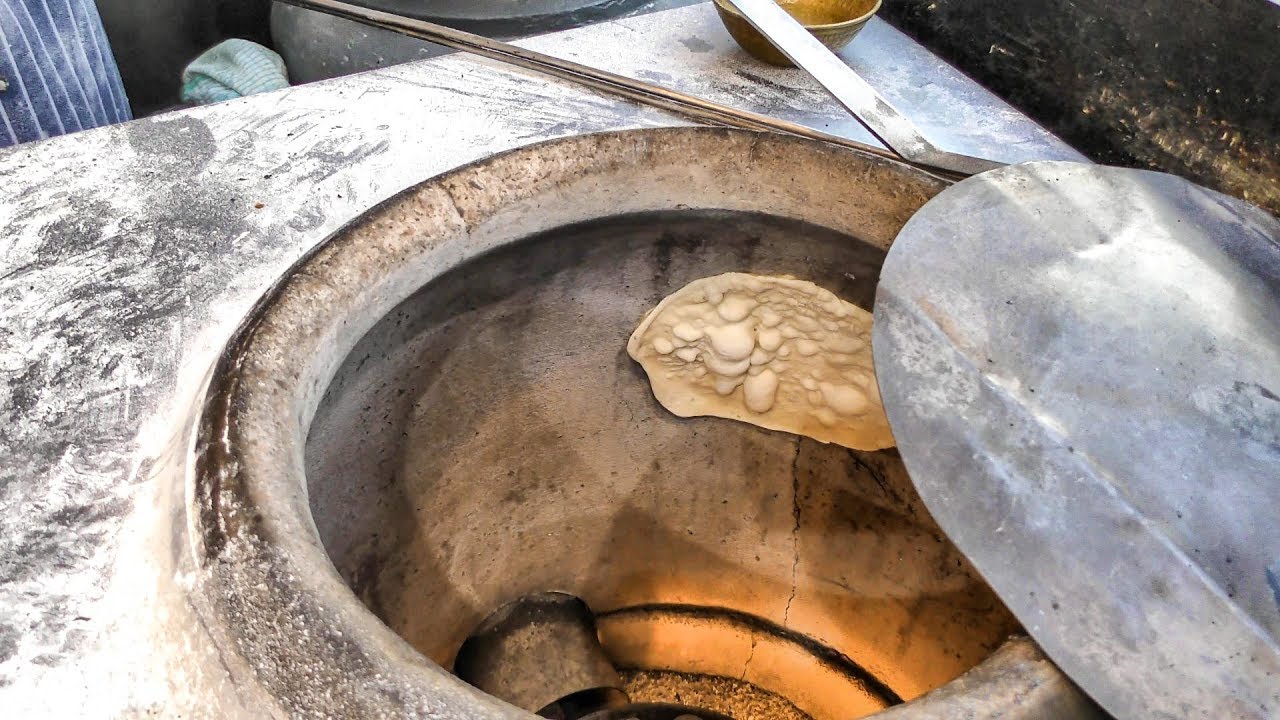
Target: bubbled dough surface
x,y
776,352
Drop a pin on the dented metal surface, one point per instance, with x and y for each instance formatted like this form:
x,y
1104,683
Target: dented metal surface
x,y
1082,368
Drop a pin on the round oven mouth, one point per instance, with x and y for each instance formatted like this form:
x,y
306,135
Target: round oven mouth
x,y
283,594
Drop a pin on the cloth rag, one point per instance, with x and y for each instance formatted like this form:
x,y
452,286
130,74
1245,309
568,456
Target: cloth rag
x,y
231,69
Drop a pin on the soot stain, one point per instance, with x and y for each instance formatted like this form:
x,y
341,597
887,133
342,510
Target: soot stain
x,y
182,145
668,242
697,44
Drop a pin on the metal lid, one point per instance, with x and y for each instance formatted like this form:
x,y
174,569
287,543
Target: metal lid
x,y
1081,366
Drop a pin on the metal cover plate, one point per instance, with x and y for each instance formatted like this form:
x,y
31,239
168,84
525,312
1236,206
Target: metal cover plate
x,y
1081,366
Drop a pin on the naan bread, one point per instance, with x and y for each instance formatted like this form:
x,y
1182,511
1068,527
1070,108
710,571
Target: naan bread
x,y
776,352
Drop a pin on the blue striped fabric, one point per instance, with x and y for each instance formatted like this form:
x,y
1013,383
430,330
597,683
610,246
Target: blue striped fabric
x,y
57,73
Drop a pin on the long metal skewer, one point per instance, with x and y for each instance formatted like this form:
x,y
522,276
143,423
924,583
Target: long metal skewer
x,y
601,80
864,102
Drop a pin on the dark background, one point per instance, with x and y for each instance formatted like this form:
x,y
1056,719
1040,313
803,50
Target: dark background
x,y
154,39
1186,86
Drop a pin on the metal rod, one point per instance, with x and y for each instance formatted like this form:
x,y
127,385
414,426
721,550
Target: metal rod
x,y
849,89
600,80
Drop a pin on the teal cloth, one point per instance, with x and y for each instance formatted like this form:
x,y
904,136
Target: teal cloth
x,y
231,69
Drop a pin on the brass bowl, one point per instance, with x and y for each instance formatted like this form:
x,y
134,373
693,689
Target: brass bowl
x,y
833,22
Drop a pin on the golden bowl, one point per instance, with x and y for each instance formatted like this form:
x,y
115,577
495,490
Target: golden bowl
x,y
833,22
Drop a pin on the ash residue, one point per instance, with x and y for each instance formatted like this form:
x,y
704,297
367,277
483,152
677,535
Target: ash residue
x,y
736,698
